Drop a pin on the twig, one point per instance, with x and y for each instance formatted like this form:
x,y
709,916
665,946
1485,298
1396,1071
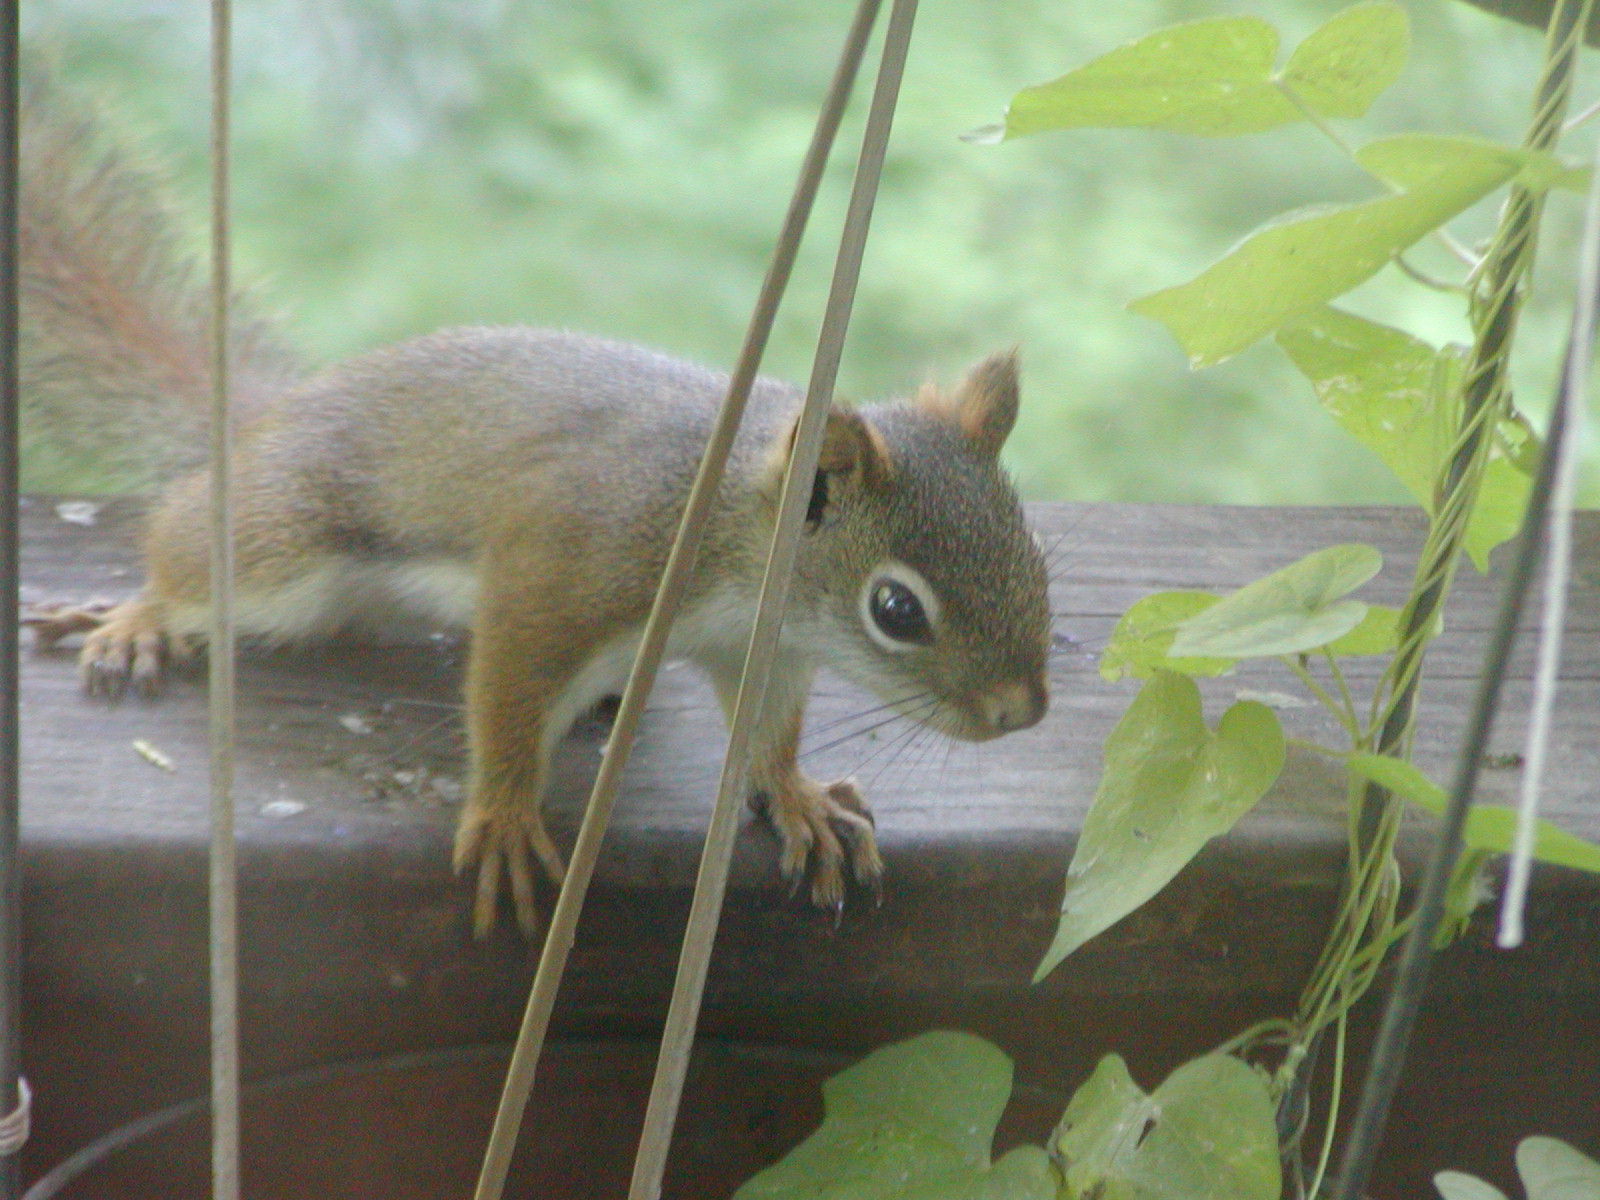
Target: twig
x,y
563,921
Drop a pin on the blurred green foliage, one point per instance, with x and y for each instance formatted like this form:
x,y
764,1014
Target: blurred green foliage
x,y
621,166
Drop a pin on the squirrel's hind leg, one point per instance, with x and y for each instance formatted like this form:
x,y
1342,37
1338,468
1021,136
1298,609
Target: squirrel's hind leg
x,y
284,590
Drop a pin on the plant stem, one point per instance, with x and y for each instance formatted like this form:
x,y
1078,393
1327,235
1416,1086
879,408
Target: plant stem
x,y
1312,115
1316,748
1358,740
1426,280
1366,928
1344,713
1583,117
1336,1091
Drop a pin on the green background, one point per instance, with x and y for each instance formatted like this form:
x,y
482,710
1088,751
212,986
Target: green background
x,y
621,166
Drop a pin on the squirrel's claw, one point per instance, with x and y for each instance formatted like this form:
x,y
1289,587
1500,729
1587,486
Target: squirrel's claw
x,y
127,647
494,837
820,827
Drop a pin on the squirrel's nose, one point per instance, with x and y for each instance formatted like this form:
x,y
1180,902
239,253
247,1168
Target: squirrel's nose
x,y
1016,705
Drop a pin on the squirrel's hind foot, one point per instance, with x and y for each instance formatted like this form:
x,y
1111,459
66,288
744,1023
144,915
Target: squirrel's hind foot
x,y
824,825
51,622
127,648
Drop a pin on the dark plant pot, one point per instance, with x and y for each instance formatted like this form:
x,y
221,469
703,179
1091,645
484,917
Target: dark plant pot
x,y
413,1127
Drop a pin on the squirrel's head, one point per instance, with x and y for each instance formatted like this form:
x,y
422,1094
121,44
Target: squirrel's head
x,y
927,586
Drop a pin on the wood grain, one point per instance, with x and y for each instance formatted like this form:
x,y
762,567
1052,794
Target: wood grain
x,y
356,935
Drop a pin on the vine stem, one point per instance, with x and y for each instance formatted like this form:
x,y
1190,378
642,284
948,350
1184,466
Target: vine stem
x,y
1484,401
1316,118
1325,1157
1337,674
1582,118
1495,320
1344,713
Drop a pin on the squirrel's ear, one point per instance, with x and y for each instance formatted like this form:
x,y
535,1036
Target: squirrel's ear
x,y
853,450
984,407
853,457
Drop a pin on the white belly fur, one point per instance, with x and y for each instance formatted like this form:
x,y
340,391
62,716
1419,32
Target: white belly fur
x,y
341,592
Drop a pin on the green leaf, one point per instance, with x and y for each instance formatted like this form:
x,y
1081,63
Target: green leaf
x,y
1393,393
1215,77
1502,501
1344,66
912,1121
1207,1133
1304,261
1142,638
1169,786
1411,159
1378,632
1572,179
1550,1170
1414,160
1401,398
1553,1170
1455,1185
1489,827
1206,77
1298,608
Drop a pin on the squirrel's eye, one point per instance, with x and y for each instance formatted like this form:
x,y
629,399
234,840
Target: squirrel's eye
x,y
896,610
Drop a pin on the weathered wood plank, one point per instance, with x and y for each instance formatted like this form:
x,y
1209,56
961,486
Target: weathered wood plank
x,y
355,933
305,715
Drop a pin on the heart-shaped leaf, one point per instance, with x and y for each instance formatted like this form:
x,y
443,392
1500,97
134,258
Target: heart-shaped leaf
x,y
1553,1170
1341,68
1207,1133
1215,77
1298,608
1140,643
1207,77
1376,633
1456,1185
1401,398
1303,261
1550,1170
1169,786
912,1121
1489,827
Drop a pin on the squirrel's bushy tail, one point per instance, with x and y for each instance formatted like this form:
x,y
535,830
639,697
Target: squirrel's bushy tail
x,y
115,358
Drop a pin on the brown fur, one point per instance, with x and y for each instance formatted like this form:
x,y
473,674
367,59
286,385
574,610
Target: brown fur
x,y
528,484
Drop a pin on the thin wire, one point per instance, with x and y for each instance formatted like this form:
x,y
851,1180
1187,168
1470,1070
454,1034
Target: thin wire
x,y
683,1013
652,646
1567,428
1411,975
10,732
224,951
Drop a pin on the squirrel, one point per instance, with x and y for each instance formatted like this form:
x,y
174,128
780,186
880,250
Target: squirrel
x,y
526,484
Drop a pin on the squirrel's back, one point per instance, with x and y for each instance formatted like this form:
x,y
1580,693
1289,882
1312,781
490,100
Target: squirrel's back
x,y
412,438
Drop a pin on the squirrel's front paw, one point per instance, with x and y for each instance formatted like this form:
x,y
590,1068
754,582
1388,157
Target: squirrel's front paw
x,y
501,835
821,824
126,647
